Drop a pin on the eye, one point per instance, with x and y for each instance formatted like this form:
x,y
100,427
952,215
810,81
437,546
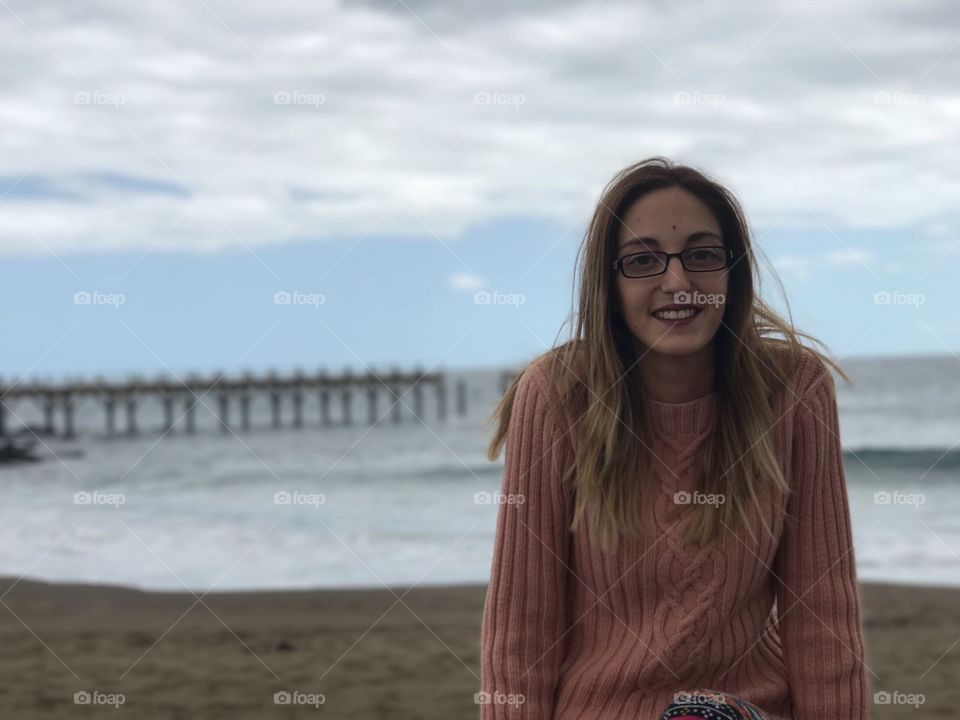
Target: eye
x,y
704,254
705,259
641,260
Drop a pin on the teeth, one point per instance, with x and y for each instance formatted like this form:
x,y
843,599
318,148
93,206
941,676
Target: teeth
x,y
675,314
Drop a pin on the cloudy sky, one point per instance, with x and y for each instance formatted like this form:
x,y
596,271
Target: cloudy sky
x,y
178,164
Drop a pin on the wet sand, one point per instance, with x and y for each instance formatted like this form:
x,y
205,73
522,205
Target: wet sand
x,y
346,653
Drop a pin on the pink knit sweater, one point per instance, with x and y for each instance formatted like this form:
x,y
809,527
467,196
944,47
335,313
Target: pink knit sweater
x,y
571,634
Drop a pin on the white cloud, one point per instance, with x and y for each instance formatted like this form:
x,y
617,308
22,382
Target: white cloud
x,y
466,281
938,229
384,129
849,256
796,264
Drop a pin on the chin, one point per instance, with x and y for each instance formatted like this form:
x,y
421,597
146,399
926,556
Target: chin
x,y
678,345
677,348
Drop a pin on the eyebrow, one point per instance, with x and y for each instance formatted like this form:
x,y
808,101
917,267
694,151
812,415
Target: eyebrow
x,y
654,242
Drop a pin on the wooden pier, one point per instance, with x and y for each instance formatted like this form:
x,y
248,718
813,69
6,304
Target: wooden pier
x,y
230,399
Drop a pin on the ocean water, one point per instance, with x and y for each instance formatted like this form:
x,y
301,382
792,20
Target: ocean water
x,y
396,504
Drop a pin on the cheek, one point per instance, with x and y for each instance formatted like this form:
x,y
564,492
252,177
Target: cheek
x,y
716,290
633,296
717,310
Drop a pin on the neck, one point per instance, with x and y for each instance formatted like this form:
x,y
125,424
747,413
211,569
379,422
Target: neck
x,y
677,378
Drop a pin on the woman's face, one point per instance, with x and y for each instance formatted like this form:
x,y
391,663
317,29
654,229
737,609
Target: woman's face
x,y
667,218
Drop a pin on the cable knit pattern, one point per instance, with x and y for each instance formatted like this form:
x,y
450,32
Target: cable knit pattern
x,y
683,575
569,633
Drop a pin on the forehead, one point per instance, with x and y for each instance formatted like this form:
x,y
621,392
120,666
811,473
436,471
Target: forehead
x,y
668,214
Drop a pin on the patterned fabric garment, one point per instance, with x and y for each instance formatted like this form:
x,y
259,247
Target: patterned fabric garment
x,y
712,704
557,604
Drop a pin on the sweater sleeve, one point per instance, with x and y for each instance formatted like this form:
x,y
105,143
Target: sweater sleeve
x,y
525,616
818,601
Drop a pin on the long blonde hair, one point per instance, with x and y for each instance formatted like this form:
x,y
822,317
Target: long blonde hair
x,y
611,429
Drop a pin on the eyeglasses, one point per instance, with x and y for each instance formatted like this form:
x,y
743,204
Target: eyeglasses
x,y
695,259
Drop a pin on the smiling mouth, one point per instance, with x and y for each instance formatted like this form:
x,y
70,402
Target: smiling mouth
x,y
674,315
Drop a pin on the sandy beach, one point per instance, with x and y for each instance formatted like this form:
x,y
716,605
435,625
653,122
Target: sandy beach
x,y
345,653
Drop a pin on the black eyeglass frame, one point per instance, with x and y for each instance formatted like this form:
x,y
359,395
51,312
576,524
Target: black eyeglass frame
x,y
665,256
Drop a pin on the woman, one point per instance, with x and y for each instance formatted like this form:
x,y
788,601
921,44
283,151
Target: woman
x,y
678,539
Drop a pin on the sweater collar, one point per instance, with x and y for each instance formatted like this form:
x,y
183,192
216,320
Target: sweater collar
x,y
691,417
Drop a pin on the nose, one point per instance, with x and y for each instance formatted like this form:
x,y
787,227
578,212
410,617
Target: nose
x,y
675,278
